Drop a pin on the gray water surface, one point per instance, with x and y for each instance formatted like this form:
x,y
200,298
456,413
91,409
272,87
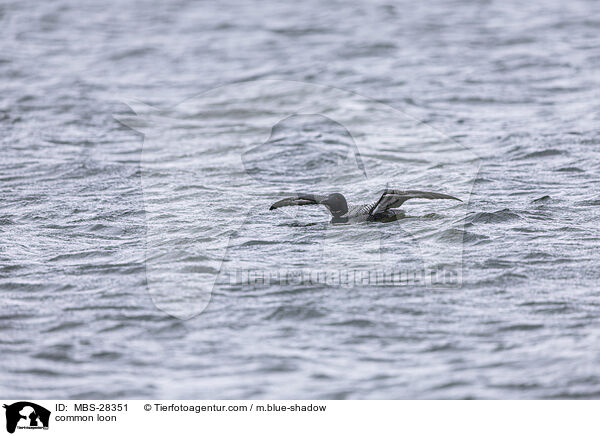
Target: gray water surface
x,y
515,83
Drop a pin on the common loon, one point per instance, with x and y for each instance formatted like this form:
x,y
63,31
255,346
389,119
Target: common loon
x,y
376,211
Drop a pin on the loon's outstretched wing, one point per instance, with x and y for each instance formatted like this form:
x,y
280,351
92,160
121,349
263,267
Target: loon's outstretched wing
x,y
391,199
299,200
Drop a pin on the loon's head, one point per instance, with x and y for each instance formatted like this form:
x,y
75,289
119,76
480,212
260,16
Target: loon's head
x,y
336,203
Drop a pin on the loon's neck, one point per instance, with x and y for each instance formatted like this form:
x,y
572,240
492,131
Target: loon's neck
x,y
339,219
